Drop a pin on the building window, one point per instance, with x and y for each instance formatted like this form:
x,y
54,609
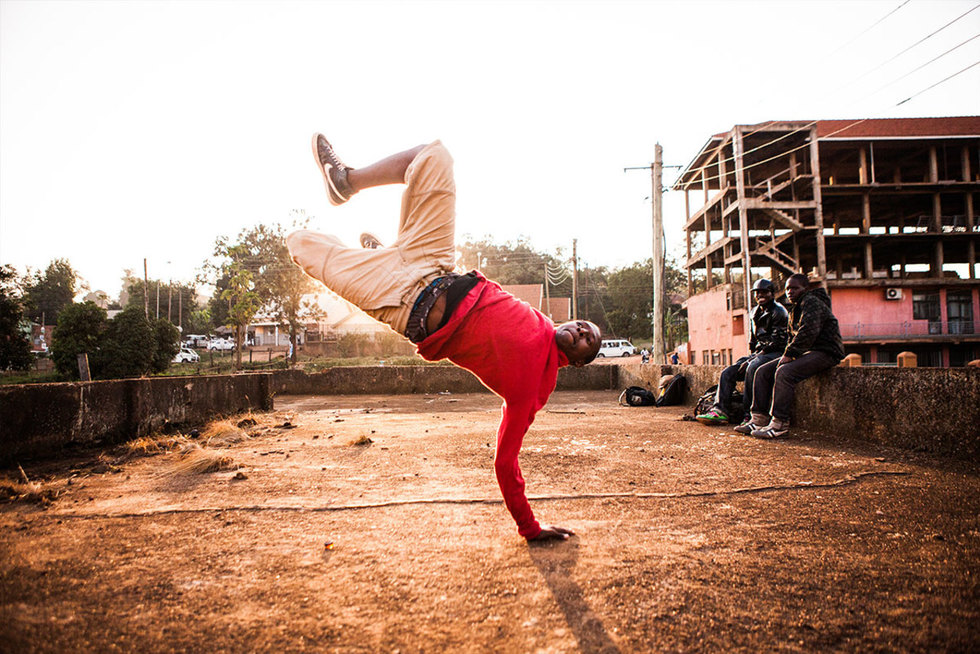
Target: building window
x,y
738,325
705,357
959,311
925,306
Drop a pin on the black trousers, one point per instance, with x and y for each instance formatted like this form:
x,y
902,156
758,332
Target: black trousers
x,y
775,385
731,375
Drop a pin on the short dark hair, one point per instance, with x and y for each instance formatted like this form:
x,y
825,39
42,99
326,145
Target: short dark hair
x,y
801,278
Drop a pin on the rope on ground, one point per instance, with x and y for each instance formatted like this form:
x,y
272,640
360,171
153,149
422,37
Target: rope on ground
x,y
803,485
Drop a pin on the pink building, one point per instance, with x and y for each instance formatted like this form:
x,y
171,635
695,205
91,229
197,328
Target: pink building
x,y
882,211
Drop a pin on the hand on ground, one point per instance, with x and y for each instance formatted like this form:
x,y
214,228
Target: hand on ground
x,y
552,532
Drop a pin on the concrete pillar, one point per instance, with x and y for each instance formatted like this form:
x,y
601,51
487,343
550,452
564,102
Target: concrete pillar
x,y
851,361
907,360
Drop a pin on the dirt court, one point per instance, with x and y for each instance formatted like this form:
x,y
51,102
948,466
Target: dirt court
x,y
688,538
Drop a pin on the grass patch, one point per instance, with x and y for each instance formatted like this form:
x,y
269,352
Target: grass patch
x,y
195,460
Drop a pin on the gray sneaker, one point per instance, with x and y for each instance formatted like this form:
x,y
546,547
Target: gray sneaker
x,y
747,426
334,171
370,242
770,431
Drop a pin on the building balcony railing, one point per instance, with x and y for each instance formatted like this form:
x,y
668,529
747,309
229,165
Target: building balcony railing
x,y
910,329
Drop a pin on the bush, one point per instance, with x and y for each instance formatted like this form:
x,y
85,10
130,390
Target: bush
x,y
128,346
79,331
167,339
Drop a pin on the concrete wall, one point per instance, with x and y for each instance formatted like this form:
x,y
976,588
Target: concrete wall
x,y
397,380
934,410
39,419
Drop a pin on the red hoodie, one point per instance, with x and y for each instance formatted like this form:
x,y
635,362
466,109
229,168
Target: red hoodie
x,y
511,348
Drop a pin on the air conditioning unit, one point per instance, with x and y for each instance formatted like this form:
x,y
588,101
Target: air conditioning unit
x,y
893,294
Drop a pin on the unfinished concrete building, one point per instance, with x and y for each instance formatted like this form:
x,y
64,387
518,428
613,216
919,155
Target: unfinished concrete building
x,y
882,210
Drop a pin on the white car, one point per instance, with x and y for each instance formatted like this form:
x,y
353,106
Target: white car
x,y
187,355
221,344
616,348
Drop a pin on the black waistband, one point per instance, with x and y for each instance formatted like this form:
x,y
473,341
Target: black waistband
x,y
454,286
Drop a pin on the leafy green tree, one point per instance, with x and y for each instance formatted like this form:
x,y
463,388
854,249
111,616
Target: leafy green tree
x,y
15,345
47,294
280,286
128,346
167,344
243,301
79,330
631,300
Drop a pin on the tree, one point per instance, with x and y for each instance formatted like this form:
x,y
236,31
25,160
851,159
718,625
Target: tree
x,y
15,345
280,286
631,301
128,346
47,294
243,301
167,344
79,331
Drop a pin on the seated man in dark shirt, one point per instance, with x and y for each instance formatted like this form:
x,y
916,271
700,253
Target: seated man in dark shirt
x,y
410,286
815,345
769,330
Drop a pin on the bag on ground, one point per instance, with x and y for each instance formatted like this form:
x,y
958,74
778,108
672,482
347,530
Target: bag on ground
x,y
672,389
637,396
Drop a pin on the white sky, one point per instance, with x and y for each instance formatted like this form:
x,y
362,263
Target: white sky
x,y
148,129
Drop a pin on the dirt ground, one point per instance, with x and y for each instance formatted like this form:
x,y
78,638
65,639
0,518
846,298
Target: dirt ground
x,y
688,538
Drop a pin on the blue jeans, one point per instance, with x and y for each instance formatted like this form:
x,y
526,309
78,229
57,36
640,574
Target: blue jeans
x,y
732,374
775,385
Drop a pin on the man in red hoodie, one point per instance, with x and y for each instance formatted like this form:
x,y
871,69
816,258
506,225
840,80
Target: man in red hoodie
x,y
410,286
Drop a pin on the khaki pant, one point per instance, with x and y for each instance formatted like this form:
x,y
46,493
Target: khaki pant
x,y
385,282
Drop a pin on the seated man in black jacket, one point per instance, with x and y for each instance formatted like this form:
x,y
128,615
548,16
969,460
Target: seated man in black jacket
x,y
815,345
769,331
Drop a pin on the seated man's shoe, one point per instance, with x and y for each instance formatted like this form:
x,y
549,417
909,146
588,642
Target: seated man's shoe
x,y
747,426
713,416
370,242
333,170
775,429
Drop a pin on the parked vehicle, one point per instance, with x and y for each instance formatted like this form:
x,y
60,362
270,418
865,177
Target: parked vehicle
x,y
616,348
187,355
196,340
221,344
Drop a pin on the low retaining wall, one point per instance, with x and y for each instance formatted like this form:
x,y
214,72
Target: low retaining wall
x,y
400,380
934,410
40,419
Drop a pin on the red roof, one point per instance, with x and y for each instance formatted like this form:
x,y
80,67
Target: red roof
x,y
899,127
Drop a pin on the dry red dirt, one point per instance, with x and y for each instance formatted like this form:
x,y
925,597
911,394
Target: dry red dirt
x,y
689,538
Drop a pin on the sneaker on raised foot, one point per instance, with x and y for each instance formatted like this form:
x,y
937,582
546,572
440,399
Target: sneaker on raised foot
x,y
713,416
333,170
370,242
775,429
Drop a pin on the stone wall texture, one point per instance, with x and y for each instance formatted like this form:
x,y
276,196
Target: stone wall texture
x,y
40,419
936,410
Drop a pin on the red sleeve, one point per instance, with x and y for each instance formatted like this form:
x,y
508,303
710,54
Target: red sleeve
x,y
510,435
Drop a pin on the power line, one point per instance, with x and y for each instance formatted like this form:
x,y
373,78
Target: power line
x,y
915,70
939,82
868,29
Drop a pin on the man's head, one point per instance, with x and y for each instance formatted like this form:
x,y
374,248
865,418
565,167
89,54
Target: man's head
x,y
579,340
796,286
763,292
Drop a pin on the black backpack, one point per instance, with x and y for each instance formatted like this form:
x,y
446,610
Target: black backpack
x,y
707,400
637,396
672,389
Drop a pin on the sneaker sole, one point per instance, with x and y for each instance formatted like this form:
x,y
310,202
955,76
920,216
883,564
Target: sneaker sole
x,y
335,196
712,421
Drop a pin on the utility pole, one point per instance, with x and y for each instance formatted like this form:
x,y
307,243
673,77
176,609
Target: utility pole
x,y
574,279
658,255
547,293
146,291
